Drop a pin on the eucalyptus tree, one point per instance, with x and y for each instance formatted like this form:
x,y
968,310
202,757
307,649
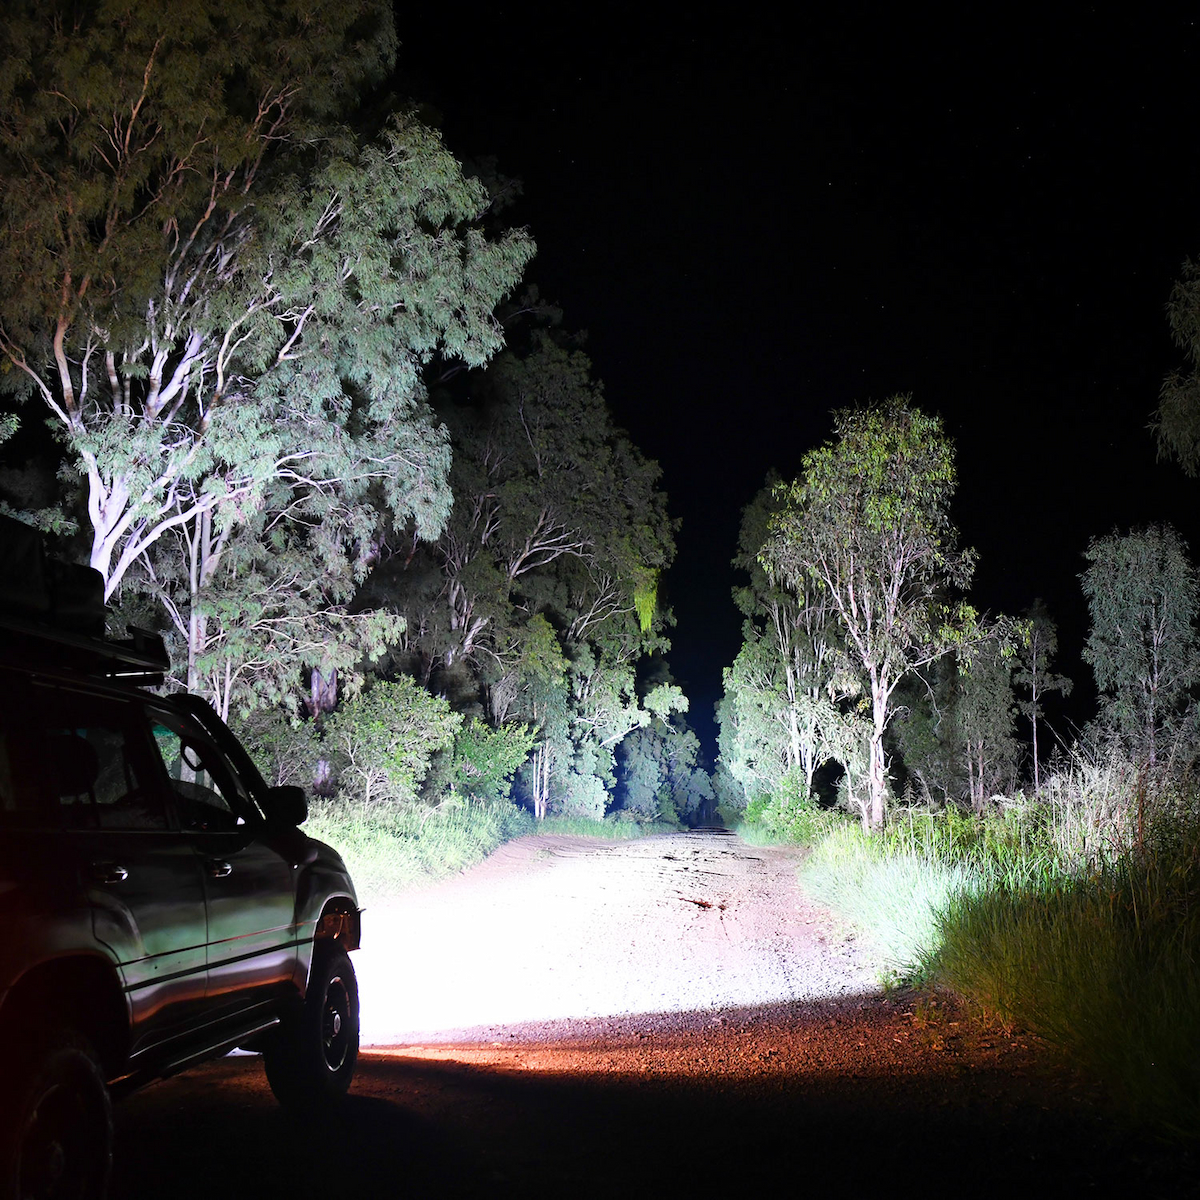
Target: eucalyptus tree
x,y
660,772
1143,595
791,675
224,298
1034,674
985,711
1177,420
540,597
868,521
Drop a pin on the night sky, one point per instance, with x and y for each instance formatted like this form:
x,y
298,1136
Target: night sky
x,y
758,224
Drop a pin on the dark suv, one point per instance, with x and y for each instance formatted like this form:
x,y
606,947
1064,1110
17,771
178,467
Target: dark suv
x,y
158,904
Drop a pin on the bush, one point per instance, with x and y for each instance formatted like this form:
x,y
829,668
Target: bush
x,y
1105,966
486,759
893,892
1076,917
390,846
286,751
381,742
789,814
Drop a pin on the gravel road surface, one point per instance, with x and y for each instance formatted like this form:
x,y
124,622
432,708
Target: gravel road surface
x,y
667,1017
559,929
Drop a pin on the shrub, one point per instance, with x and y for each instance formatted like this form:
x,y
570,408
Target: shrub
x,y
390,846
381,742
789,814
486,759
284,749
1105,966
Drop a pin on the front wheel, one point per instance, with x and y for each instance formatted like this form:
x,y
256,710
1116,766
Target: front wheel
x,y
58,1133
310,1059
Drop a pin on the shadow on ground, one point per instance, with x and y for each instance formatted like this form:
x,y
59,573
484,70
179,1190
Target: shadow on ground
x,y
423,1122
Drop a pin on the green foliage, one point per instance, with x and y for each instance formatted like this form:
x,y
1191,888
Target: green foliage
x,y
285,749
784,707
1035,654
380,743
645,598
869,523
611,828
660,775
540,597
892,895
789,814
985,719
390,847
486,759
1106,967
1076,917
1144,598
227,300
1177,420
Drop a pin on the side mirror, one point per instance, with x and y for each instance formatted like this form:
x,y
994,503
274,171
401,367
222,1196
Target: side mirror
x,y
286,805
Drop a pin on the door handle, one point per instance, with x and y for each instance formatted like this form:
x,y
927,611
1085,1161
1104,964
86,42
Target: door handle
x,y
107,872
218,868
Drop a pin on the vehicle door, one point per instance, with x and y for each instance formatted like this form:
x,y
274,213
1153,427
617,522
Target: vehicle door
x,y
249,883
140,876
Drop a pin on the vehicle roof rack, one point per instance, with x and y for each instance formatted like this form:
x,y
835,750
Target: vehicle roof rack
x,y
52,614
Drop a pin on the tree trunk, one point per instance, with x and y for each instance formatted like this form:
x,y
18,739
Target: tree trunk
x,y
1037,783
878,771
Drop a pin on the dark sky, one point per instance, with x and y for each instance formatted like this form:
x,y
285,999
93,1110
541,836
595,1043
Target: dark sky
x,y
758,224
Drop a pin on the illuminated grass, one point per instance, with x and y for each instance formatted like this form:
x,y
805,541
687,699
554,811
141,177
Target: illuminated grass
x,y
390,847
892,895
1105,967
1077,919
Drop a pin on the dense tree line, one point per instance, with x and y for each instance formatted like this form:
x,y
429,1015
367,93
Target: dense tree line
x,y
862,659
381,509
233,271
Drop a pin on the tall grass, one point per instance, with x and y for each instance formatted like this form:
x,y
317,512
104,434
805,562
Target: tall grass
x,y
1076,917
1105,966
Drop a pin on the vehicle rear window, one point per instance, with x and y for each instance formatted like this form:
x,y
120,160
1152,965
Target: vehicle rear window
x,y
97,762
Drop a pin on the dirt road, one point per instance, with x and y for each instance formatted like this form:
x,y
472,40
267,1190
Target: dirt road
x,y
664,1017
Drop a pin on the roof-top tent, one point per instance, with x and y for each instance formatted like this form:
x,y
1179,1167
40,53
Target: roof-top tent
x,y
52,611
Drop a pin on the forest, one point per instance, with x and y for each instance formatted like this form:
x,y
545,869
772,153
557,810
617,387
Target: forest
x,y
275,363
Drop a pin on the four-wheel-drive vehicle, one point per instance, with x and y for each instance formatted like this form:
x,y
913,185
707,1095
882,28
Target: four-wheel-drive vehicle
x,y
158,904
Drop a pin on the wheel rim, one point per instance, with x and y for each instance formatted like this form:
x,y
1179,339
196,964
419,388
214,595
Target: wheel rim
x,y
336,1025
59,1147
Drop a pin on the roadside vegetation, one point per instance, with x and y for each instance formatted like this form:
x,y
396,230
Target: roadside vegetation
x,y
874,717
390,848
1075,917
327,439
325,436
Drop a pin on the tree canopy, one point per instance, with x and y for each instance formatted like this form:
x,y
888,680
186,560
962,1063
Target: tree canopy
x,y
226,296
1143,596
869,522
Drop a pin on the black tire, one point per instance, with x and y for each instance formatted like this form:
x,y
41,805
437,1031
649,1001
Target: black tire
x,y
310,1059
58,1130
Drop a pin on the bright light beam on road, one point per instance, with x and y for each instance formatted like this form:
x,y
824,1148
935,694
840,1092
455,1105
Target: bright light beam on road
x,y
685,923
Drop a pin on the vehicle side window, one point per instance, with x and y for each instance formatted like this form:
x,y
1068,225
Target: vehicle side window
x,y
95,748
206,795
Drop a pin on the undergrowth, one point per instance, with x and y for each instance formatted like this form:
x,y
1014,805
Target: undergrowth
x,y
392,846
1076,918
